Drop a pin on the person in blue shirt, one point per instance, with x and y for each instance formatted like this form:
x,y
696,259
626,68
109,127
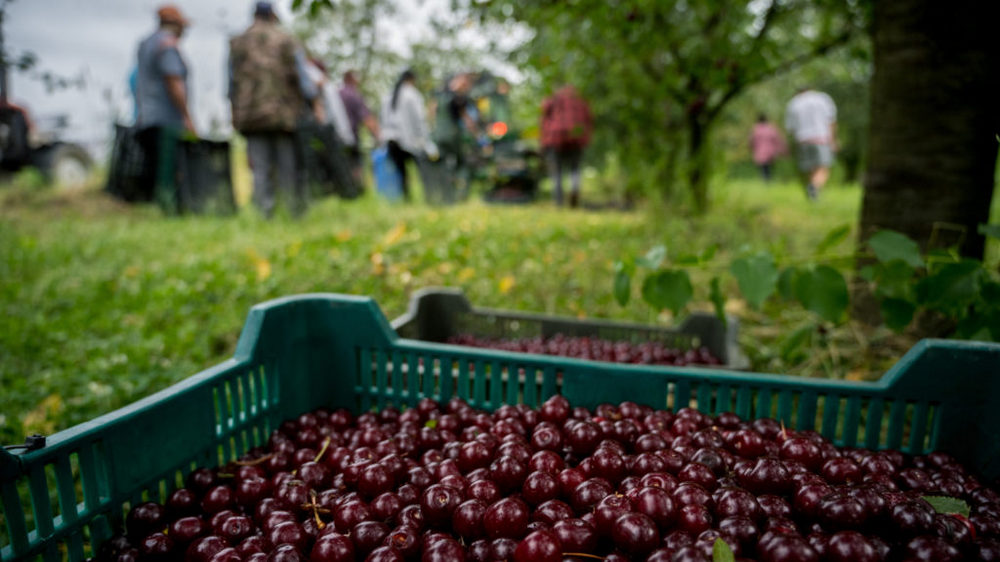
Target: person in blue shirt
x,y
162,93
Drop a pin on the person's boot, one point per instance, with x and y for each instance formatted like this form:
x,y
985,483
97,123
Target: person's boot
x,y
574,200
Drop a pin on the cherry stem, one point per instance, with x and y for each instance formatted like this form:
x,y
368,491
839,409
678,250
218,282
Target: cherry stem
x,y
326,445
583,555
312,493
256,461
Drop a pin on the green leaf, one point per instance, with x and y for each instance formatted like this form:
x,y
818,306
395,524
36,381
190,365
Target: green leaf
x,y
991,230
431,423
791,346
989,291
952,287
718,299
867,272
895,279
709,253
832,238
786,282
948,505
668,289
897,313
654,257
721,552
975,327
686,259
756,276
823,290
890,245
623,284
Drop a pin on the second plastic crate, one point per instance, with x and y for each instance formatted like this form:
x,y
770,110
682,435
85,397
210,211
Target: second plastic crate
x,y
437,313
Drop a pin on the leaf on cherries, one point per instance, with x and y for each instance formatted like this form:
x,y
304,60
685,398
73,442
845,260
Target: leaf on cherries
x,y
431,424
721,552
948,505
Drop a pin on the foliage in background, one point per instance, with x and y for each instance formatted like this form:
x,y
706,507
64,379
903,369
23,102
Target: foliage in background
x,y
364,35
962,292
843,74
673,107
660,74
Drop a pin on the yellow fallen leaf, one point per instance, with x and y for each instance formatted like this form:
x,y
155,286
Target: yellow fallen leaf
x,y
465,274
294,248
394,234
344,235
378,263
736,306
263,268
506,284
132,271
579,256
445,267
855,375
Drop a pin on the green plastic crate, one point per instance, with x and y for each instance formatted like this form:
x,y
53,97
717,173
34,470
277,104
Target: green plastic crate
x,y
438,313
299,353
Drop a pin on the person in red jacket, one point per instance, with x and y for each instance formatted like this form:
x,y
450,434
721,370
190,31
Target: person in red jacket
x,y
766,144
566,128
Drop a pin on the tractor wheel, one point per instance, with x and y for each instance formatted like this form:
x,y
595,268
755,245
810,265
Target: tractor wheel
x,y
66,166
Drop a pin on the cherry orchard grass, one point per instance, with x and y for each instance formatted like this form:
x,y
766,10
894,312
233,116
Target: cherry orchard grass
x,y
584,347
446,483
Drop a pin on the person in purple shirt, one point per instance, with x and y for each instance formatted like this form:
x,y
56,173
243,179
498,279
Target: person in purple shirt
x,y
357,113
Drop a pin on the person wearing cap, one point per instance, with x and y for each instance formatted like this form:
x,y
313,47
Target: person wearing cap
x,y
161,105
161,75
270,91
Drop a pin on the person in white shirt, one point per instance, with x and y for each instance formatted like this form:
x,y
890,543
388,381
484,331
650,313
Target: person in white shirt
x,y
404,126
332,107
811,118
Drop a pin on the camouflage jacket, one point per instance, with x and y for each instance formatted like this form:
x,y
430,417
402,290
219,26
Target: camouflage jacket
x,y
264,91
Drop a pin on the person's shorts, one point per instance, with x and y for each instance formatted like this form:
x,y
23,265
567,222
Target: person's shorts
x,y
813,156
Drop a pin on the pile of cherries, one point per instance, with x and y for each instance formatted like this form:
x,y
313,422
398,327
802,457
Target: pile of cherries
x,y
449,483
585,347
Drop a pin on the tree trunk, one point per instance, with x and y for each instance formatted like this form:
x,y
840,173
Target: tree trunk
x,y
699,163
934,120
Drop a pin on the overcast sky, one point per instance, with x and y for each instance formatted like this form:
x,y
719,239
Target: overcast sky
x,y
98,38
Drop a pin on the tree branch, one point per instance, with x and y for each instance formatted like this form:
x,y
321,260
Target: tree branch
x,y
784,66
769,17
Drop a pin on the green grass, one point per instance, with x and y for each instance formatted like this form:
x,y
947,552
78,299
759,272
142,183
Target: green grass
x,y
105,303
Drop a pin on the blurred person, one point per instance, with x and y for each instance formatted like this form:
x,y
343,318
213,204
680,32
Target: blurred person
x,y
460,118
161,89
161,107
358,114
811,119
404,126
330,109
766,144
270,92
566,128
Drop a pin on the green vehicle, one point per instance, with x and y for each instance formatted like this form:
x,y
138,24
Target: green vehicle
x,y
500,157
